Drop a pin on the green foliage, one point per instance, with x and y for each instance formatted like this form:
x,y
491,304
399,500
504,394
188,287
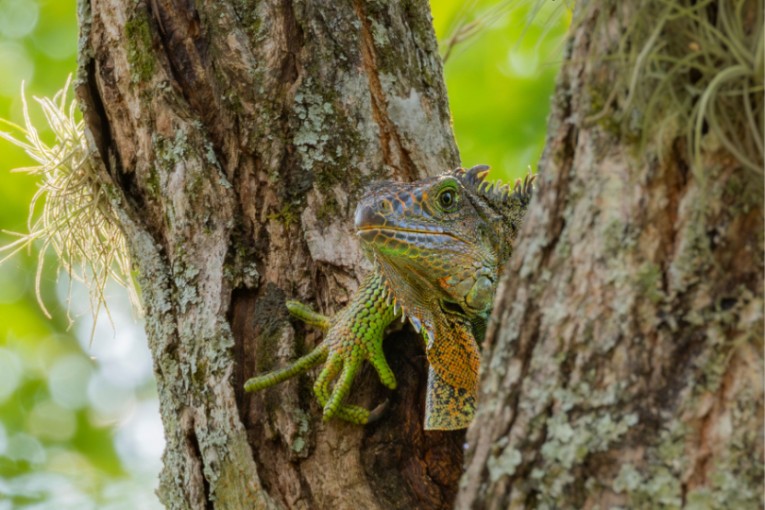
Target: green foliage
x,y
500,75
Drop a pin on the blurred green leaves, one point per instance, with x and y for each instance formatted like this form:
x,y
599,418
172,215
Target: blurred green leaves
x,y
500,78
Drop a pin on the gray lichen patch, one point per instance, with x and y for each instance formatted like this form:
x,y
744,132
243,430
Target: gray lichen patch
x,y
301,440
504,464
327,140
416,126
184,277
379,35
315,114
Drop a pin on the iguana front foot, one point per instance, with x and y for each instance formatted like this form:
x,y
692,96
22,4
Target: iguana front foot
x,y
353,335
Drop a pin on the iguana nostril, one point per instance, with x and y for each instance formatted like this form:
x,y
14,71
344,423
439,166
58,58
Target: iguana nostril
x,y
384,206
368,215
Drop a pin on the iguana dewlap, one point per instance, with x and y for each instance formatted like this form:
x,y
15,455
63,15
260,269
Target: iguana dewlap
x,y
438,246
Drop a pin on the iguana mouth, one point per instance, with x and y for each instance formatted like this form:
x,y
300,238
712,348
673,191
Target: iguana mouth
x,y
369,232
399,229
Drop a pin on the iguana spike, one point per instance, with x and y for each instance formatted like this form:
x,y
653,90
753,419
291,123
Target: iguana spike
x,y
416,324
502,193
521,190
500,189
431,338
529,181
403,313
477,174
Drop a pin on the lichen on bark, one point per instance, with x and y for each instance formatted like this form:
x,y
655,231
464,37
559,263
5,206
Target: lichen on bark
x,y
625,364
237,136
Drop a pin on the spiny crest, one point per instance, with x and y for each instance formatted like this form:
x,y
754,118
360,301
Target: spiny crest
x,y
475,178
419,324
390,297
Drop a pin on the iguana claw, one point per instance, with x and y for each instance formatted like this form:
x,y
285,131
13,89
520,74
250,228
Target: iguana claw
x,y
353,335
378,411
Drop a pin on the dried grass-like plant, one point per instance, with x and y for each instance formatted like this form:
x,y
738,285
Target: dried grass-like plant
x,y
699,61
75,216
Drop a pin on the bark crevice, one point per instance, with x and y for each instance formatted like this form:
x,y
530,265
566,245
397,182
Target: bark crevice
x,y
388,132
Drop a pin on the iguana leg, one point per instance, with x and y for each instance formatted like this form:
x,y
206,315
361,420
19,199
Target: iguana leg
x,y
356,334
266,380
383,371
305,314
353,335
342,386
351,413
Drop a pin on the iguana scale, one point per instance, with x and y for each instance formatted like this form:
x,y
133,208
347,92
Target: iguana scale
x,y
438,246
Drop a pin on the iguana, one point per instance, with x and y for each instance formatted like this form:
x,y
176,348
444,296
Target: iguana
x,y
438,246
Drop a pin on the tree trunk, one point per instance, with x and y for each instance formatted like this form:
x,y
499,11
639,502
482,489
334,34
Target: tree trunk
x,y
625,365
236,137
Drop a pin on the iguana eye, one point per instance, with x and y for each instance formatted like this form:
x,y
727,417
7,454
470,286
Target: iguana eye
x,y
447,199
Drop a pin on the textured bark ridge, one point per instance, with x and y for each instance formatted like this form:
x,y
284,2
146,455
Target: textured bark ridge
x,y
236,137
624,367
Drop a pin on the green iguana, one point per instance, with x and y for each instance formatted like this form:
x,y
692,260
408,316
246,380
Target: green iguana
x,y
438,246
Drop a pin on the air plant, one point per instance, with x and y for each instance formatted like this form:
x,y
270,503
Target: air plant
x,y
71,212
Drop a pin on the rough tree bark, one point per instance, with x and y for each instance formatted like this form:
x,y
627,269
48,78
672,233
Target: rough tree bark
x,y
236,137
624,363
624,368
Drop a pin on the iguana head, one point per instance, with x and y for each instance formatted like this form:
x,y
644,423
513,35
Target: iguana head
x,y
441,243
444,237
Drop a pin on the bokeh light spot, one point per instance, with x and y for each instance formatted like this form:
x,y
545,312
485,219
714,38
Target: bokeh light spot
x,y
18,17
10,373
110,401
68,381
25,447
16,67
140,437
51,421
521,64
